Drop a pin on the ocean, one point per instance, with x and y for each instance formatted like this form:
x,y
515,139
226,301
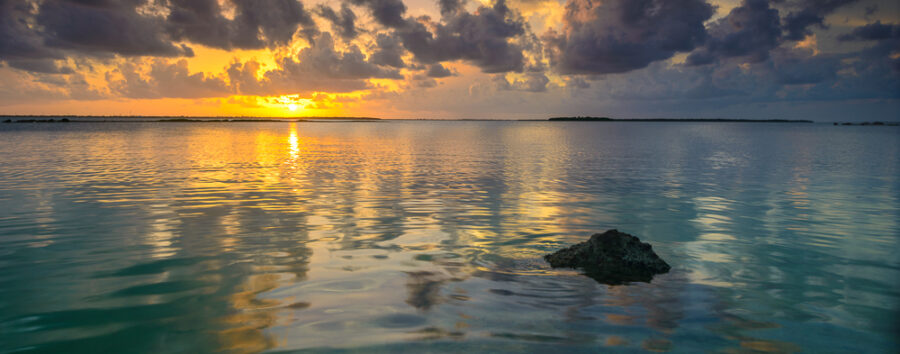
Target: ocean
x,y
428,236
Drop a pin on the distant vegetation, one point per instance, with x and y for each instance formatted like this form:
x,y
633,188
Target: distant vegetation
x,y
188,120
890,124
64,120
607,119
583,118
171,119
191,119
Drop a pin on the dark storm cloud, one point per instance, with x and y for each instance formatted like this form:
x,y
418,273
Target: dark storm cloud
x,y
481,38
449,7
887,40
45,66
322,59
103,27
617,36
810,13
873,32
750,30
802,67
199,21
388,13
343,23
17,40
388,51
868,74
256,23
789,75
272,22
438,71
32,33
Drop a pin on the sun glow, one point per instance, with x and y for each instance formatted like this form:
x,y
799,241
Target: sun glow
x,y
292,107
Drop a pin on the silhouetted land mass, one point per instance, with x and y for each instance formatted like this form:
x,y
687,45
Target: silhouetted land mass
x,y
713,120
170,119
890,124
239,119
187,120
63,120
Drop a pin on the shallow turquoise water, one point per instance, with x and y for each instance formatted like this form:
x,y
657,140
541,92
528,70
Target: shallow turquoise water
x,y
427,236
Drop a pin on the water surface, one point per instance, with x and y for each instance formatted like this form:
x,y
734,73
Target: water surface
x,y
428,236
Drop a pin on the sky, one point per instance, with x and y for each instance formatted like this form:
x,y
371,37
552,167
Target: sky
x,y
824,60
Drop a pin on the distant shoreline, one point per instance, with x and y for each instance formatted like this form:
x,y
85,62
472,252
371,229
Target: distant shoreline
x,y
242,119
706,120
165,119
173,118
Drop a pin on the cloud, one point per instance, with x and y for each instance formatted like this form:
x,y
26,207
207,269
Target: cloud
x,y
486,38
323,60
46,66
17,40
272,22
103,27
750,31
388,50
810,13
873,32
438,71
887,40
531,82
317,68
450,7
423,81
617,36
256,23
483,38
164,79
802,67
343,23
388,13
32,32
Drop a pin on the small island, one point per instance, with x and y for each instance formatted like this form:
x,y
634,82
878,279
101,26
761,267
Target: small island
x,y
876,123
710,120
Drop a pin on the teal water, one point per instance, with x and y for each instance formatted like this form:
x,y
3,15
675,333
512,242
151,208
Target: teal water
x,y
427,236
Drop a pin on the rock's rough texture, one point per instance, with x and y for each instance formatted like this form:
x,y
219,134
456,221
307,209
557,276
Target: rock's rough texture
x,y
612,257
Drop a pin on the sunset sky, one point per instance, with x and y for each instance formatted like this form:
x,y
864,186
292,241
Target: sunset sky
x,y
825,60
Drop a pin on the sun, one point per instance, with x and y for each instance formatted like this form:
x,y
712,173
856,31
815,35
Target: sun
x,y
292,107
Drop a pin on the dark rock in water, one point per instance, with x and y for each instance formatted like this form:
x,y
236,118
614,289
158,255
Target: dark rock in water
x,y
612,257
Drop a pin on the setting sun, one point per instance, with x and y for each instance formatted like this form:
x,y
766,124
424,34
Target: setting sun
x,y
292,107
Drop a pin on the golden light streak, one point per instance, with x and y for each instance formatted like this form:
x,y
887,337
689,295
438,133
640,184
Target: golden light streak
x,y
810,43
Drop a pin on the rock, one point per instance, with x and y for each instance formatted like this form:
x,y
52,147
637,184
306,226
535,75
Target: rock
x,y
612,257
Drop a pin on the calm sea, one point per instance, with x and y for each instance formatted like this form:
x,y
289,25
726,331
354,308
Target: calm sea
x,y
428,236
